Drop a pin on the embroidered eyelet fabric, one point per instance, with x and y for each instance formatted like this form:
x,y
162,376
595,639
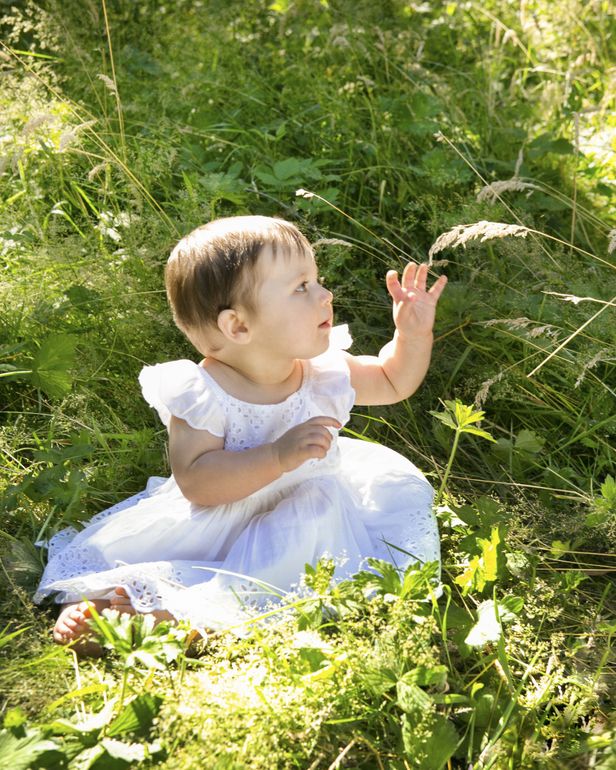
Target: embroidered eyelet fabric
x,y
215,566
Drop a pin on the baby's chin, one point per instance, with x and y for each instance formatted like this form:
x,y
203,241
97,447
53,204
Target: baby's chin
x,y
322,345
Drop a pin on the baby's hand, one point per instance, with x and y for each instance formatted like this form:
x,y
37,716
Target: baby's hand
x,y
414,307
304,441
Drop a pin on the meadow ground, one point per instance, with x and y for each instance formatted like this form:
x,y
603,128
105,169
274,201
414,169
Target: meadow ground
x,y
124,125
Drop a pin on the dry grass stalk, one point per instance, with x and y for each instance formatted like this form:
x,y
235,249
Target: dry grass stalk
x,y
492,192
484,231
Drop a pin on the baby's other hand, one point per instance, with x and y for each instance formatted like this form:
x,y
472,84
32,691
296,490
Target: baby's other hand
x,y
414,308
307,440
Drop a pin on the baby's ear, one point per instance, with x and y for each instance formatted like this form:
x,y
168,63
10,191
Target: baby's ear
x,y
233,326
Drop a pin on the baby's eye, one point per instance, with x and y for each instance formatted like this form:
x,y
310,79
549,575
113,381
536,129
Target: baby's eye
x,y
302,287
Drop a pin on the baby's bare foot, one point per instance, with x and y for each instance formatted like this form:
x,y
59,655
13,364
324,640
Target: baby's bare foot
x,y
121,601
72,627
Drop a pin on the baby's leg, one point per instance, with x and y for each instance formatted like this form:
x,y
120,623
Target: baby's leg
x,y
72,624
121,601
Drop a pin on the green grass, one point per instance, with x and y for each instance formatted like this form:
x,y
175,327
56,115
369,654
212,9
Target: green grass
x,y
396,115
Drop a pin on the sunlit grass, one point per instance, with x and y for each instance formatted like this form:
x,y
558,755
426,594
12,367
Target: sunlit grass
x,y
398,123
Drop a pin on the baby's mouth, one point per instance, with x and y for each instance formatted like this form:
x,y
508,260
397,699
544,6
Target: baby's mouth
x,y
326,324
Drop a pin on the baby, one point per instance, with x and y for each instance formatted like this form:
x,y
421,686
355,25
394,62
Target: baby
x,y
262,485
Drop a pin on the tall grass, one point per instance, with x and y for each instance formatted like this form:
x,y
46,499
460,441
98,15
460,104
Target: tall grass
x,y
125,125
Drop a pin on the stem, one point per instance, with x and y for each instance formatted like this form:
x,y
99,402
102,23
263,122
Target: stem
x,y
115,82
123,688
452,454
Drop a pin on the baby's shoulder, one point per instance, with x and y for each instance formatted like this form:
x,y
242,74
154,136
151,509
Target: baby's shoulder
x,y
182,388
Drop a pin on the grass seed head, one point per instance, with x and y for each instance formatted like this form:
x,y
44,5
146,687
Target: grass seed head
x,y
108,82
483,230
492,192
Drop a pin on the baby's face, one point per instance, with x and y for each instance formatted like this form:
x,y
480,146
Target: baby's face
x,y
293,316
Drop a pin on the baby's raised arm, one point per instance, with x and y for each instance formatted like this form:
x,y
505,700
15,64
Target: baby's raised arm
x,y
208,474
402,364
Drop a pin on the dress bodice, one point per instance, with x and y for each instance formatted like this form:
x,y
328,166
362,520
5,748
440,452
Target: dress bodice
x,y
188,391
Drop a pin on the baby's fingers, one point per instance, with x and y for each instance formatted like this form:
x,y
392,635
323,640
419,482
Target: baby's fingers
x,y
393,286
326,422
438,287
410,277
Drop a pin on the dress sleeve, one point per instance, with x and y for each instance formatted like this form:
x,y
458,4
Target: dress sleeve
x,y
179,388
330,377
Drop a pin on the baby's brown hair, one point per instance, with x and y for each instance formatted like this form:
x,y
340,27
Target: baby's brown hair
x,y
209,269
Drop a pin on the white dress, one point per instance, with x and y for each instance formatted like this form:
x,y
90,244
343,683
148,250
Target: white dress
x,y
213,565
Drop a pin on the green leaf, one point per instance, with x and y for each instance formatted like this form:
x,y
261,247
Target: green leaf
x,y
481,569
529,442
471,577
411,698
127,752
608,490
286,169
20,753
136,716
545,143
440,744
479,432
430,747
465,414
489,549
461,418
510,607
89,757
596,519
51,365
559,548
445,418
424,676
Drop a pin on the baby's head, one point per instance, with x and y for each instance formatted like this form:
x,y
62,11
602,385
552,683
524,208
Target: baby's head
x,y
215,267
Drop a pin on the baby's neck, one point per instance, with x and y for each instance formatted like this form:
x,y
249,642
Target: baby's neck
x,y
256,384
